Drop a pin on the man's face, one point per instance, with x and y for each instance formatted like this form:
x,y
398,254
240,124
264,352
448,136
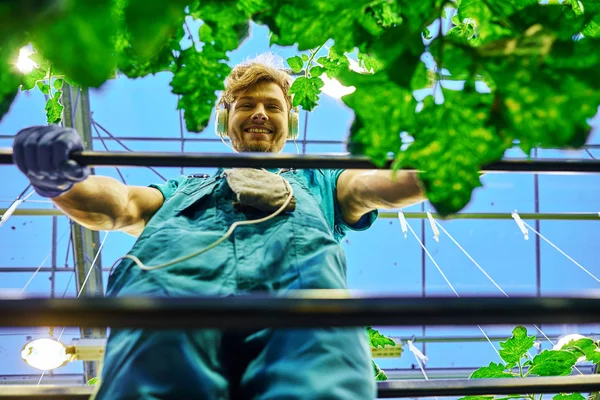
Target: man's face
x,y
258,119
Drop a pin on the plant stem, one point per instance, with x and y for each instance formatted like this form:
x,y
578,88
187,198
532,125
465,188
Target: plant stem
x,y
50,79
313,53
520,369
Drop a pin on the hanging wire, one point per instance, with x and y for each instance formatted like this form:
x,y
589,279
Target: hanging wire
x,y
495,284
448,282
92,266
106,148
123,145
42,263
563,253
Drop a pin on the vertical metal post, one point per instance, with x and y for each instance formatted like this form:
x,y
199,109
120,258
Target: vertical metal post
x,y
538,257
85,242
423,276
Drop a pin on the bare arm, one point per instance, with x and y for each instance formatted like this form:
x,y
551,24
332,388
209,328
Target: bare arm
x,y
103,203
361,191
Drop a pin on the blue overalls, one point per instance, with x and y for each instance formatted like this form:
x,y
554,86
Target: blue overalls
x,y
297,250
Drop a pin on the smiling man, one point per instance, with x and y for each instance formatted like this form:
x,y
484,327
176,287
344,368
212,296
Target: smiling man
x,y
305,214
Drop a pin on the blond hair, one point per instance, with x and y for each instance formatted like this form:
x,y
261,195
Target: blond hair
x,y
263,68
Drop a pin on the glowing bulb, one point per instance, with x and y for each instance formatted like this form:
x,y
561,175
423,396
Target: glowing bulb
x,y
24,63
45,354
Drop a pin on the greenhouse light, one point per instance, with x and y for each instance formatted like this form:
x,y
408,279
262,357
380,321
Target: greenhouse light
x,y
24,63
45,354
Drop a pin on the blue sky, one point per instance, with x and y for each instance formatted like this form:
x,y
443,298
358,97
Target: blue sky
x,y
380,260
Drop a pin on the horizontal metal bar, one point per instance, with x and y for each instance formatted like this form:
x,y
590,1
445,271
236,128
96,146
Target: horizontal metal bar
x,y
590,216
204,138
299,309
385,389
472,387
261,160
42,269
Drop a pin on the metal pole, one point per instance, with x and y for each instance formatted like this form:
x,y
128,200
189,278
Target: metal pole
x,y
85,242
302,161
386,389
256,312
592,216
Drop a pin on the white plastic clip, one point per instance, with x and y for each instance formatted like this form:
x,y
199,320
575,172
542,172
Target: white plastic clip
x,y
436,232
403,223
521,225
413,349
9,212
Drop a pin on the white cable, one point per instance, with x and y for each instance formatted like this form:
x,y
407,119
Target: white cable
x,y
79,294
36,271
140,264
471,258
43,262
93,263
494,282
562,252
449,284
433,261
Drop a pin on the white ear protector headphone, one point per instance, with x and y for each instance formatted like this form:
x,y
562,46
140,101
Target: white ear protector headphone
x,y
222,118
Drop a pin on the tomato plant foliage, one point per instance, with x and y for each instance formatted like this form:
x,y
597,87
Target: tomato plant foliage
x,y
529,70
519,363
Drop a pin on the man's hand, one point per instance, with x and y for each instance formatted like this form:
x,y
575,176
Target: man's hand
x,y
42,153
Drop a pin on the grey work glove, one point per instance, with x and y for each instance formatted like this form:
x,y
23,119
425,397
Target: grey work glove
x,y
259,189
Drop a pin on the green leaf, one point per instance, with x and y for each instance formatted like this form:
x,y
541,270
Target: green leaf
x,y
553,363
44,87
571,396
92,382
304,57
152,23
334,63
304,23
515,348
306,92
492,371
78,41
484,23
295,64
31,80
376,339
382,110
378,372
592,28
584,347
54,109
386,14
316,71
58,84
543,107
196,78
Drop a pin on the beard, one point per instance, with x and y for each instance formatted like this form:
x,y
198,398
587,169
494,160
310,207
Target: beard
x,y
258,146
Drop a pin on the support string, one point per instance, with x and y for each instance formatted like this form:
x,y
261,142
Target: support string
x,y
562,252
449,284
494,282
